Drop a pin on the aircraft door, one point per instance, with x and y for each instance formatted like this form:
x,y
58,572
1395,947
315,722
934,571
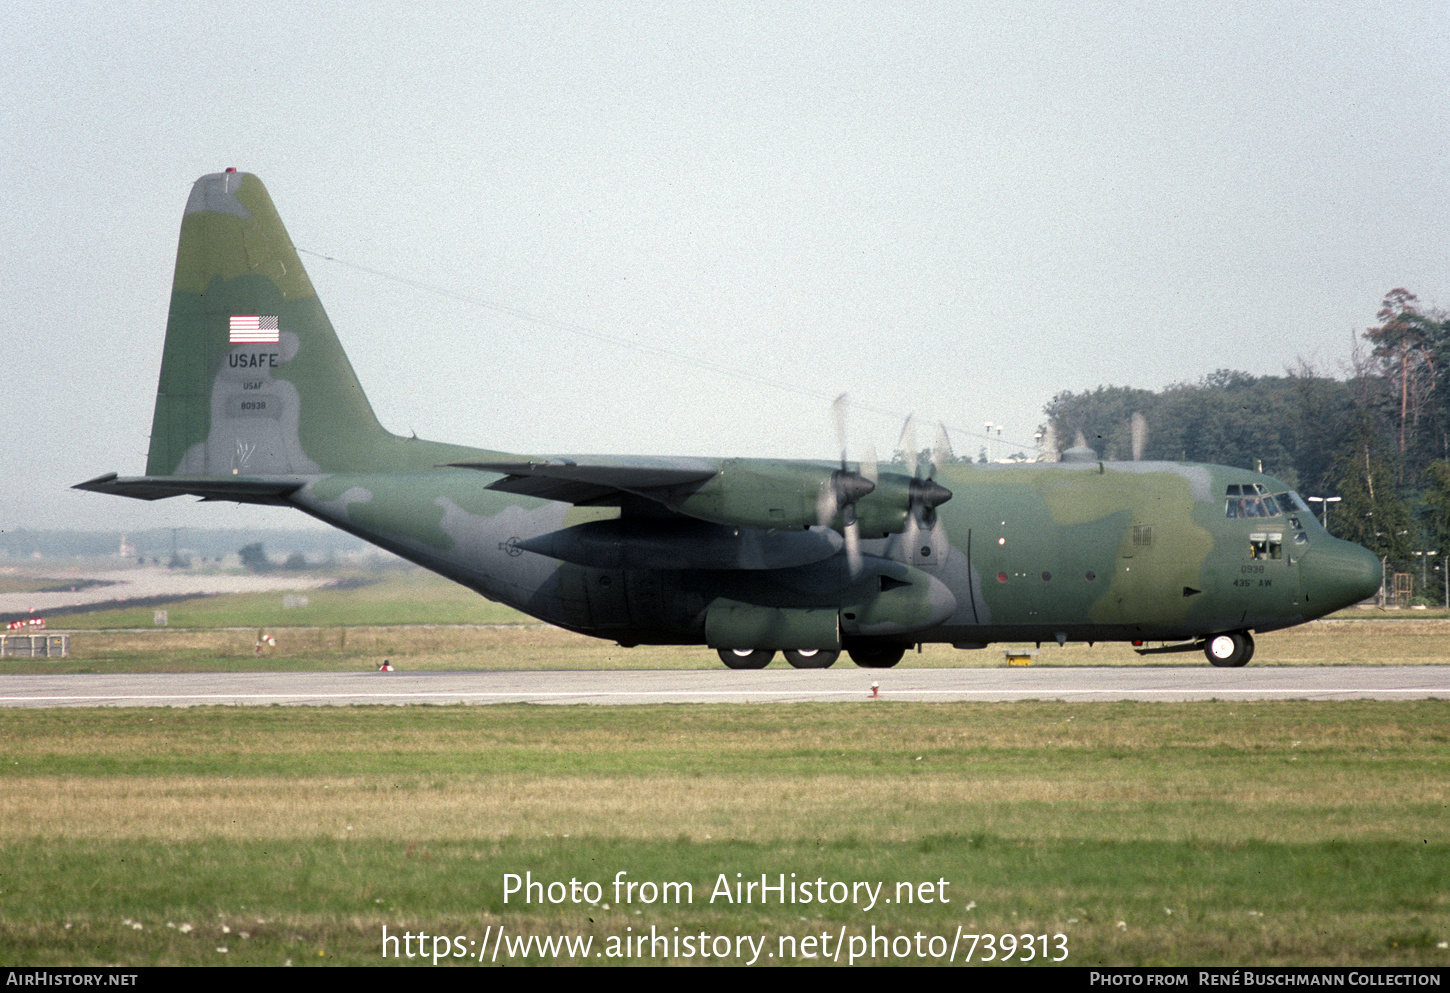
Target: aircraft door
x,y
1268,578
1158,573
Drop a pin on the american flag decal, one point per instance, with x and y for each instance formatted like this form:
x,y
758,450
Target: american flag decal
x,y
249,329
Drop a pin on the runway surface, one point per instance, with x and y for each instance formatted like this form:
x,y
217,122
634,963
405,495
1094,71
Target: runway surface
x,y
725,686
122,587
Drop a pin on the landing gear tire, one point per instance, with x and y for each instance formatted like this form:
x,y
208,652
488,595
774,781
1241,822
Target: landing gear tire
x,y
811,658
745,658
1229,651
877,656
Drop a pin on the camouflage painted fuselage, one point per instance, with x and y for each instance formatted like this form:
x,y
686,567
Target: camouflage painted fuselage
x,y
726,552
1097,552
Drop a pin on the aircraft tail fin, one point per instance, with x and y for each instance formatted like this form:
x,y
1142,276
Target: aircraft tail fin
x,y
253,379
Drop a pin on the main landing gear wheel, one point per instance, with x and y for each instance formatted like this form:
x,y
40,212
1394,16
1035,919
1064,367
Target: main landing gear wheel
x,y
746,658
811,658
877,656
1230,651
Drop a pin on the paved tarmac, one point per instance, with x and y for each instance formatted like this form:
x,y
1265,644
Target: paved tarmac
x,y
844,683
122,587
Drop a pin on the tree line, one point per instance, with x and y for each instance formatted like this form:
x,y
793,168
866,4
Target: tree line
x,y
1378,437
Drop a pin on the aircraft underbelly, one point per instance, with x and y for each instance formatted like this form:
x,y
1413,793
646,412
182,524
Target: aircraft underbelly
x,y
615,602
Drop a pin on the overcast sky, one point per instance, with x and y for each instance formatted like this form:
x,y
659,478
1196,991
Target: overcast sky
x,y
682,228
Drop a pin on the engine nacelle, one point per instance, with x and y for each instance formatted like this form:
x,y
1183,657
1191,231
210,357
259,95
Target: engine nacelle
x,y
772,495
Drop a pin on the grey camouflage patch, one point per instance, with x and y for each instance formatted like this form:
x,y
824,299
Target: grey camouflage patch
x,y
217,192
255,418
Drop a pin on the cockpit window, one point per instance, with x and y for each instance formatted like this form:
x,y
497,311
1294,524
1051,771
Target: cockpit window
x,y
1291,501
1249,500
1253,500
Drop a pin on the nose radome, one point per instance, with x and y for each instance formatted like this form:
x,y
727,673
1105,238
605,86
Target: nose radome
x,y
1339,574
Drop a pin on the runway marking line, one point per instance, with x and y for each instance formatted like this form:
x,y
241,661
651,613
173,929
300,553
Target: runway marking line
x,y
582,694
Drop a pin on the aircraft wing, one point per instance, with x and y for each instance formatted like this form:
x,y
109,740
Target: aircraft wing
x,y
695,527
767,494
270,491
572,480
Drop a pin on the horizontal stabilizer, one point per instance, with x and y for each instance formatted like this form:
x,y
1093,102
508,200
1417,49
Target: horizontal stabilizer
x,y
270,491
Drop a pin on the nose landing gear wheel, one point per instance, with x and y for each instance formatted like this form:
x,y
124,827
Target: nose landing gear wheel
x,y
745,658
811,658
1229,651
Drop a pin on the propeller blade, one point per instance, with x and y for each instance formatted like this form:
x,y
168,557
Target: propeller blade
x,y
907,445
826,505
910,535
853,548
845,488
838,409
1049,452
941,451
869,469
1140,435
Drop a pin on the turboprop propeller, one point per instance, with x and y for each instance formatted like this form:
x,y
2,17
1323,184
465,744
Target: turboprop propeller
x,y
926,494
1081,452
845,489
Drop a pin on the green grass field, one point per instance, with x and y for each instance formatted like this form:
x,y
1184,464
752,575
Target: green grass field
x,y
1209,833
1197,833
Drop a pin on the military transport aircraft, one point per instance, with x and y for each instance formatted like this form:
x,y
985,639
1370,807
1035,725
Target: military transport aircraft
x,y
258,404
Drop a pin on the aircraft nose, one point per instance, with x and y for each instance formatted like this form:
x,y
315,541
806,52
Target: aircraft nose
x,y
1339,574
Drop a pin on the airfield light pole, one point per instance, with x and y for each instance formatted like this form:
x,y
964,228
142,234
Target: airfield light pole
x,y
1324,515
989,441
1424,563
